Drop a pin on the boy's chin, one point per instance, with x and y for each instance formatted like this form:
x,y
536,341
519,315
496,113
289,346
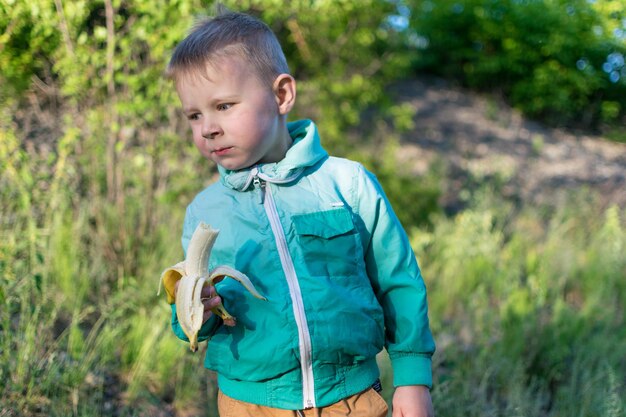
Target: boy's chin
x,y
234,166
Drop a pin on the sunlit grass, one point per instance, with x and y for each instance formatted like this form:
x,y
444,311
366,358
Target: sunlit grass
x,y
528,310
526,304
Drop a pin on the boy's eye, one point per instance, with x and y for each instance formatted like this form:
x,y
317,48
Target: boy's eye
x,y
224,106
193,116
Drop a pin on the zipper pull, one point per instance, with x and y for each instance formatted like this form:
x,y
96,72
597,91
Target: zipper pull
x,y
261,186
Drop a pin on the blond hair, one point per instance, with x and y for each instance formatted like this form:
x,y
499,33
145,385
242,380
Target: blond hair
x,y
229,34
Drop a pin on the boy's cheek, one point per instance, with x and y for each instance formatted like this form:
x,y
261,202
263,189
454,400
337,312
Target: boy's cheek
x,y
205,153
200,144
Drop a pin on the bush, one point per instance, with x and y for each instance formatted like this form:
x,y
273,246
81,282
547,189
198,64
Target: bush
x,y
558,61
528,310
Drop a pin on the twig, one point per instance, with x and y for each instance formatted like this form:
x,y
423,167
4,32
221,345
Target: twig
x,y
64,28
110,53
298,37
110,82
7,35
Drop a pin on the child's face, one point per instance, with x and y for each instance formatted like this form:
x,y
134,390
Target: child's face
x,y
236,120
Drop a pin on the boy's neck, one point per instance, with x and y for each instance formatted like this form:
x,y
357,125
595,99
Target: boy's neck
x,y
284,143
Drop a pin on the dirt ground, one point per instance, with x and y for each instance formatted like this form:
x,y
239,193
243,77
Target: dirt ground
x,y
479,139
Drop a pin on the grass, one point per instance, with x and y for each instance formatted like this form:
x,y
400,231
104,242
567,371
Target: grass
x,y
526,304
529,310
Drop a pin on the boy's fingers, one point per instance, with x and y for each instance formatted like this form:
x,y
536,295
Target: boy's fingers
x,y
208,292
206,315
209,298
210,303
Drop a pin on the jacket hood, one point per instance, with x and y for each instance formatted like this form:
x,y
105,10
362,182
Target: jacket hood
x,y
305,152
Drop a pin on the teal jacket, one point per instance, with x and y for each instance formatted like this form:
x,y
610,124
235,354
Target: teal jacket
x,y
317,237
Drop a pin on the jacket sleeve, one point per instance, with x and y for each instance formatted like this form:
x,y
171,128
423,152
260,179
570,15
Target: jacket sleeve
x,y
210,326
397,283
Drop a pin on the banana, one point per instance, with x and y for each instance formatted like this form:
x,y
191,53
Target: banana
x,y
193,274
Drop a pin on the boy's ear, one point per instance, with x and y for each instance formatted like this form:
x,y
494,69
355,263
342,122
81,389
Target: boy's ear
x,y
285,92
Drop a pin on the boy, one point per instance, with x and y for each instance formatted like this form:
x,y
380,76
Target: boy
x,y
315,234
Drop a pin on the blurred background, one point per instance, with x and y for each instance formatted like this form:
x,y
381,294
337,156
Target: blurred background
x,y
497,128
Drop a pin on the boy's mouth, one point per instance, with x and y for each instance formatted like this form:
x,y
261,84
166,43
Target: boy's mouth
x,y
222,151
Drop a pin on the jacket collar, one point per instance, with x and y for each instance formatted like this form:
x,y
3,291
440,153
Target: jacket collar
x,y
305,152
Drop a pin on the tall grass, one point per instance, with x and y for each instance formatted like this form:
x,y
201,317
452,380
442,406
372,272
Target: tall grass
x,y
528,309
81,329
527,305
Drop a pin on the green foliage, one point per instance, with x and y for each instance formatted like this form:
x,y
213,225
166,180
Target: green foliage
x,y
559,61
25,49
529,310
414,200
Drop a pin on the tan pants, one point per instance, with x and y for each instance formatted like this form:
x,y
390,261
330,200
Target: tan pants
x,y
365,404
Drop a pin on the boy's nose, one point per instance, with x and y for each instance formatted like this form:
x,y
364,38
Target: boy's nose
x,y
210,130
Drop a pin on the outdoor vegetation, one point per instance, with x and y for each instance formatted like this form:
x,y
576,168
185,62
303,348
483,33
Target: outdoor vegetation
x,y
527,302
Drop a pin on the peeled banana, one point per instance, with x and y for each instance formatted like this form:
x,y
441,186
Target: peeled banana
x,y
193,275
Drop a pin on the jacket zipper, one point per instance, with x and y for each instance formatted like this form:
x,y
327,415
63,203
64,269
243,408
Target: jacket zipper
x,y
304,337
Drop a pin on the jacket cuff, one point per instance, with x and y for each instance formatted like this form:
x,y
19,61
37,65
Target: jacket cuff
x,y
209,328
412,370
206,331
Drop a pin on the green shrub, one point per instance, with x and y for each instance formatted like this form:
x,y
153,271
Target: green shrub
x,y
527,309
558,61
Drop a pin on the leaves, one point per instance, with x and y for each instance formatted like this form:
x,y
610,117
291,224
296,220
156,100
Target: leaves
x,y
547,58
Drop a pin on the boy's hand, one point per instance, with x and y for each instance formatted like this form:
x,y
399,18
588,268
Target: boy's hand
x,y
209,298
412,401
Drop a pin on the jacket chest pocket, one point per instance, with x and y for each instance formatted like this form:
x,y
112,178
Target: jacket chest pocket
x,y
329,242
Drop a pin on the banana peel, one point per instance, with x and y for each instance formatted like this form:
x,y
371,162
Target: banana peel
x,y
193,274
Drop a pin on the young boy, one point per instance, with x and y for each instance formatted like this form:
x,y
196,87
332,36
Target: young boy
x,y
315,234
